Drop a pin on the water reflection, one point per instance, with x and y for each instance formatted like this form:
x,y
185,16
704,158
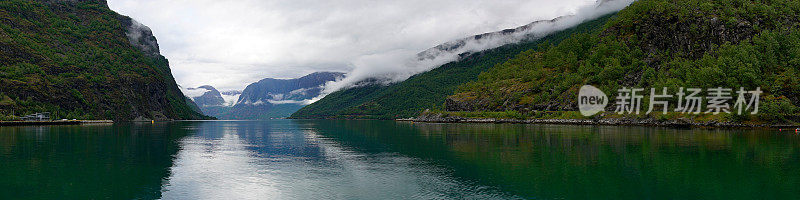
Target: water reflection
x,y
308,159
280,160
86,162
550,161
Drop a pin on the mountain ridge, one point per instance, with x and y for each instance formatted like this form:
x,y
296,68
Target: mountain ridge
x,y
267,98
429,89
261,89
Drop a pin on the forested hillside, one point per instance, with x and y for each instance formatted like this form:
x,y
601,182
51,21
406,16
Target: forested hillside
x,y
426,90
79,59
656,43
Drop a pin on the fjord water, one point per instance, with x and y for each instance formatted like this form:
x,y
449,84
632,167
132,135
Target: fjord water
x,y
308,159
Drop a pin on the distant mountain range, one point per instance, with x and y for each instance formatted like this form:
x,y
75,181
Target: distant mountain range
x,y
278,91
267,98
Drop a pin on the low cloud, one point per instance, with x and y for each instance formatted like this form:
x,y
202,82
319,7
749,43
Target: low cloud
x,y
394,66
301,102
194,92
229,44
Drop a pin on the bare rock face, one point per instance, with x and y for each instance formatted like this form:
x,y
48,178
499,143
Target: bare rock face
x,y
141,37
693,36
453,104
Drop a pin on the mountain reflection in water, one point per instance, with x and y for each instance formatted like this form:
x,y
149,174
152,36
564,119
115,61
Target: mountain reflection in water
x,y
312,159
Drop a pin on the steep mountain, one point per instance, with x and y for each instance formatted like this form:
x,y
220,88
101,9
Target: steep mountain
x,y
210,101
267,98
657,43
79,59
211,97
430,89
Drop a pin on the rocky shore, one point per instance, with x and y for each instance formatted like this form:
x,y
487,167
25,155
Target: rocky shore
x,y
680,123
56,122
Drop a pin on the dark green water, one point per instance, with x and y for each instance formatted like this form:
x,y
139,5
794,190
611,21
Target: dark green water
x,y
285,159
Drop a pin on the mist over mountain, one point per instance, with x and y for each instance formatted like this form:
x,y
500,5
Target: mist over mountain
x,y
654,43
267,98
232,92
425,79
393,68
280,91
211,97
658,44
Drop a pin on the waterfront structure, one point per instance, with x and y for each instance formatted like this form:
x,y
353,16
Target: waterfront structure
x,y
43,116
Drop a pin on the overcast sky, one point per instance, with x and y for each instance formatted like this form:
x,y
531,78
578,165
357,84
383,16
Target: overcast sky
x,y
229,44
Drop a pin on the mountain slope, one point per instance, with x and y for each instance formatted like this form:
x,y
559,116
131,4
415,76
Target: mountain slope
x,y
210,102
426,90
212,97
79,59
299,89
657,43
193,105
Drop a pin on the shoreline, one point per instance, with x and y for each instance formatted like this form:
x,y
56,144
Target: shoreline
x,y
58,122
604,122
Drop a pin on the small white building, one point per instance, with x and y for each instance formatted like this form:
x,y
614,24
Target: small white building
x,y
43,116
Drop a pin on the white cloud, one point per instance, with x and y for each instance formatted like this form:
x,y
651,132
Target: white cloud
x,y
229,44
303,102
230,100
194,92
399,65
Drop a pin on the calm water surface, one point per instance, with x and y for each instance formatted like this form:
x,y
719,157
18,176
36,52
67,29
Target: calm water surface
x,y
306,159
